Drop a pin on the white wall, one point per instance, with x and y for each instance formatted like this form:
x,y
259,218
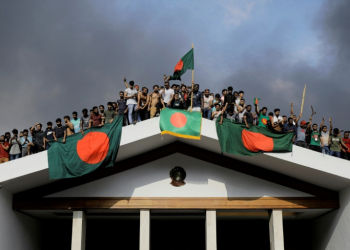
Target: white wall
x,y
332,231
203,180
17,231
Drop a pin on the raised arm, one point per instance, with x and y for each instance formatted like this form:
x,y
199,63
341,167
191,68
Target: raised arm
x,y
330,126
126,84
257,109
291,109
322,123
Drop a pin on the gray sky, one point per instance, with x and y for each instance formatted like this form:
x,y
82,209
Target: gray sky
x,y
62,56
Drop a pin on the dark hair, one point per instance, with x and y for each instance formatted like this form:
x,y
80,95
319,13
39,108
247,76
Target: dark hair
x,y
324,127
58,120
174,85
314,124
336,131
155,86
290,118
183,86
7,133
114,103
270,114
121,92
25,130
145,88
84,110
131,83
241,92
223,91
230,88
197,85
102,106
217,104
40,125
276,110
264,108
48,123
242,99
109,103
14,131
67,117
75,113
235,92
248,106
217,95
94,107
284,116
91,110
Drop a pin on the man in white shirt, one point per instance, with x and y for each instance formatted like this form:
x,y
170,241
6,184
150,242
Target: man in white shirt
x,y
168,94
325,136
207,103
131,96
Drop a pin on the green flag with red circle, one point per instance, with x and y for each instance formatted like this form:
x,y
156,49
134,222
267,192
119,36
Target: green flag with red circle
x,y
185,63
83,154
181,123
235,138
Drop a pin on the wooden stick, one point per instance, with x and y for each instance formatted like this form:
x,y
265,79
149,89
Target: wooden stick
x,y
192,84
302,102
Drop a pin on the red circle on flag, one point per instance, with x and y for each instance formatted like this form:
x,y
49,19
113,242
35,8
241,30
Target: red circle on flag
x,y
93,148
264,121
178,120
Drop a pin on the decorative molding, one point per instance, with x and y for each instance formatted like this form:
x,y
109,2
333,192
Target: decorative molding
x,y
81,203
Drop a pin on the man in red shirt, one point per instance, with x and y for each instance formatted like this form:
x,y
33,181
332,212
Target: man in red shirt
x,y
4,147
96,118
346,140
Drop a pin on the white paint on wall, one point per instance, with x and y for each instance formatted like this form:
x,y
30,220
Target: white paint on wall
x,y
203,180
17,231
332,231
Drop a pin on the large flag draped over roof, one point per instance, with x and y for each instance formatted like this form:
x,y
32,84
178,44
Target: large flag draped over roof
x,y
80,155
181,123
185,63
235,138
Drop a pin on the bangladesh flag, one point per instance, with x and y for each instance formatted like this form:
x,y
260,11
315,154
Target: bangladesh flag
x,y
185,63
80,155
235,138
256,101
181,123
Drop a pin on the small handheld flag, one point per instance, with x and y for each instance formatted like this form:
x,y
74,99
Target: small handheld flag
x,y
256,101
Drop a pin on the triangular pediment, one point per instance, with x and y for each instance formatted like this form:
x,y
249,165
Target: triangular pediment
x,y
203,179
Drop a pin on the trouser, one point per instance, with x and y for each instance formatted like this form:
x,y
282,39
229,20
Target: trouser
x,y
345,155
132,113
325,150
144,114
14,157
315,148
24,151
125,117
336,153
4,159
153,111
207,113
302,144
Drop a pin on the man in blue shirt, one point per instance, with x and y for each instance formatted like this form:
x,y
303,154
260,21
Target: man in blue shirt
x,y
197,98
290,128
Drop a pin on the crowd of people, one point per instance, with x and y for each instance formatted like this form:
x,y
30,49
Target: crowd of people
x,y
136,105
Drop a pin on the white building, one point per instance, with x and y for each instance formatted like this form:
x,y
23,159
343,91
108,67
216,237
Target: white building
x,y
296,200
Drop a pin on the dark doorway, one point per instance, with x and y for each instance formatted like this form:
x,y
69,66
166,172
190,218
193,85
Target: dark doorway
x,y
176,232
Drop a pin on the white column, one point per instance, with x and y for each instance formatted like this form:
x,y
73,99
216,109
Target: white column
x,y
145,229
210,230
276,230
78,230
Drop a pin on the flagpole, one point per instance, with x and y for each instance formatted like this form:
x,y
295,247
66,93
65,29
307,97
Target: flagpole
x,y
302,102
192,85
